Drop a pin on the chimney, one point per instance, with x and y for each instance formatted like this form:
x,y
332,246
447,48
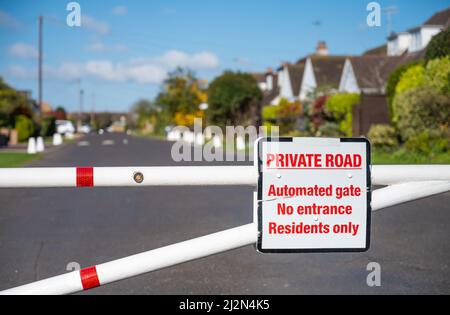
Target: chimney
x,y
322,49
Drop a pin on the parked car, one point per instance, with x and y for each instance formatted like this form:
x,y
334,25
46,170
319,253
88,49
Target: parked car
x,y
64,127
85,129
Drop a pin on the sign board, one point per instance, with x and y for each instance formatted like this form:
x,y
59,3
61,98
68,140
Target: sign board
x,y
313,195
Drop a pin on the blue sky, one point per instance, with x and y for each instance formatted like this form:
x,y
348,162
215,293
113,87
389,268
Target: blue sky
x,y
124,49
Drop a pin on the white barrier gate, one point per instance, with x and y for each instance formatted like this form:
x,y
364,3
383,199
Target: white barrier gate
x,y
404,183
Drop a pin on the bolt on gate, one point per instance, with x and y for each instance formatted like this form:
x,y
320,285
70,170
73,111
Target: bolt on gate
x,y
403,184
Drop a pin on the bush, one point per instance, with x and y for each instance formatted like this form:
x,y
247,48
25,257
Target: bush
x,y
270,112
383,137
438,46
421,109
411,78
340,106
25,127
428,143
437,74
48,127
330,129
392,82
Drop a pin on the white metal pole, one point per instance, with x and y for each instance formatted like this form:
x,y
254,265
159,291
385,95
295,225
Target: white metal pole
x,y
125,176
141,263
189,175
395,174
401,193
199,247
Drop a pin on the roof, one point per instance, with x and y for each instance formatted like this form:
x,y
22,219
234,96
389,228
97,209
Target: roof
x,y
439,18
328,69
372,71
377,51
295,72
269,95
259,76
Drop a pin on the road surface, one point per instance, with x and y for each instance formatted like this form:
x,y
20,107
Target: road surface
x,y
43,230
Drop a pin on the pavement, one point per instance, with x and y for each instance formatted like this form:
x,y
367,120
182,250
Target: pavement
x,y
43,230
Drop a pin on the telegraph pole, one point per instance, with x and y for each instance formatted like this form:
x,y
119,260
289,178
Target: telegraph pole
x,y
93,110
389,12
40,25
80,105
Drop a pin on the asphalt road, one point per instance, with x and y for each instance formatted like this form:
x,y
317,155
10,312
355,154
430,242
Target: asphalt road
x,y
42,230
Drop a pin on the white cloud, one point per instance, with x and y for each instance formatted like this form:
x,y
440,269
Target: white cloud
x,y
198,61
100,47
120,10
22,50
142,70
95,25
7,20
20,72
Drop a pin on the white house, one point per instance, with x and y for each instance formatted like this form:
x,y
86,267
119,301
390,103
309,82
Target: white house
x,y
417,38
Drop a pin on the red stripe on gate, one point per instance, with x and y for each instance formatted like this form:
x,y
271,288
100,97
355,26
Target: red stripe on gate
x,y
85,176
89,278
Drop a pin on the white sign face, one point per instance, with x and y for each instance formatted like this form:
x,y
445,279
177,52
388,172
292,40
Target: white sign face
x,y
313,195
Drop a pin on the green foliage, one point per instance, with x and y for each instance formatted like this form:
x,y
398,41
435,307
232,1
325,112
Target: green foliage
x,y
428,143
270,112
439,46
231,97
48,126
25,127
284,115
340,106
383,137
413,77
144,111
437,74
182,93
421,109
12,103
329,129
392,82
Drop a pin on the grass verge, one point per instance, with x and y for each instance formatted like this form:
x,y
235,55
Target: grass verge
x,y
15,159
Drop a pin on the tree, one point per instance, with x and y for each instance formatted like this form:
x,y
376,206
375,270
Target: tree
x,y
60,113
12,104
234,98
439,46
181,96
144,113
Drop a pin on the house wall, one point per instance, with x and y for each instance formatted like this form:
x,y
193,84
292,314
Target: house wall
x,y
285,85
427,33
309,80
399,44
348,81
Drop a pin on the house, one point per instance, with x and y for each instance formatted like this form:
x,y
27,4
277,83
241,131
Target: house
x,y
295,81
417,38
367,73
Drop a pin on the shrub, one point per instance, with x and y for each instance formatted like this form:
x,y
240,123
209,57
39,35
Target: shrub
x,y
270,112
411,78
437,74
330,129
421,109
339,106
438,46
392,82
428,143
48,126
25,127
383,137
